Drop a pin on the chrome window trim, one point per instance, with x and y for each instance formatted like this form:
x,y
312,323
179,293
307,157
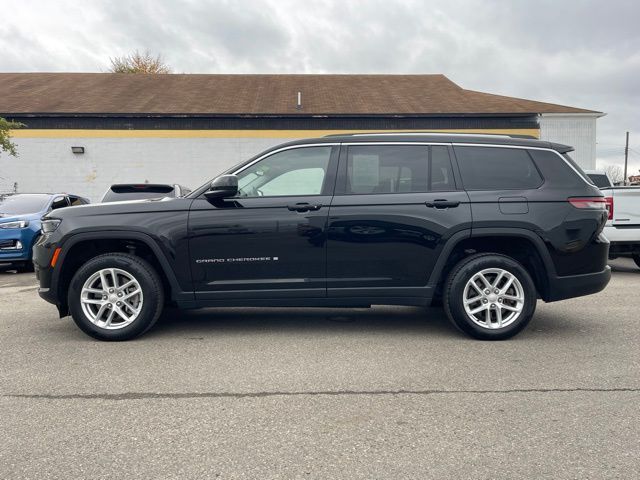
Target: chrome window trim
x,y
453,144
462,144
273,152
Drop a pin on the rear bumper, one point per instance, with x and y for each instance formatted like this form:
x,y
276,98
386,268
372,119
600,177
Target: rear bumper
x,y
625,234
578,285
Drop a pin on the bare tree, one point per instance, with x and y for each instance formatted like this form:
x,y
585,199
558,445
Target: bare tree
x,y
137,62
615,173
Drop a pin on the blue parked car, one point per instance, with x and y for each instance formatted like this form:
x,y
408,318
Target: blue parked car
x,y
20,223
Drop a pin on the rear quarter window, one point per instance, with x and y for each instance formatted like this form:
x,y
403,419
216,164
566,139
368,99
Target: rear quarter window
x,y
600,180
492,168
577,168
556,170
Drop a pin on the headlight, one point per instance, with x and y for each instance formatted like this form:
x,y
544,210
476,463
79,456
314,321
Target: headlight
x,y
18,224
50,225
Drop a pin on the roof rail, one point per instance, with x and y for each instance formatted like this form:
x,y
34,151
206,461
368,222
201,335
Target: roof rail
x,y
442,134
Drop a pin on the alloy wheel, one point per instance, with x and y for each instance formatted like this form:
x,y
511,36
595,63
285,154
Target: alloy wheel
x,y
111,298
493,298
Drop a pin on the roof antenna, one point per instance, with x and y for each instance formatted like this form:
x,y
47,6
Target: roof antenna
x,y
299,105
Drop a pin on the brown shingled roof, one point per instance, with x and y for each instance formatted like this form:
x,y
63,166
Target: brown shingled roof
x,y
113,93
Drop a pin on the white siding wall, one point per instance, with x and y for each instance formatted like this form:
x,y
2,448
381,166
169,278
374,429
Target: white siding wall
x,y
47,164
577,130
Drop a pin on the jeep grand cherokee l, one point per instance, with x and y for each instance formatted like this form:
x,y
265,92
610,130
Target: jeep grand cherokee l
x,y
485,225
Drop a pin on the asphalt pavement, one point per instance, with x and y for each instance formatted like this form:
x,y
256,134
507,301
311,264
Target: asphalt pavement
x,y
386,392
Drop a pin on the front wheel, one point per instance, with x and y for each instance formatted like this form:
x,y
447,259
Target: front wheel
x,y
115,296
490,296
636,258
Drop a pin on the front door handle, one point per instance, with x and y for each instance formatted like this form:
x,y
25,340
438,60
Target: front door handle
x,y
304,207
442,203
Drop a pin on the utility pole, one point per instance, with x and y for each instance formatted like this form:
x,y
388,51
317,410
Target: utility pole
x,y
626,158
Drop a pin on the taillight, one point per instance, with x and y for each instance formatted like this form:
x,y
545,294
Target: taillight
x,y
597,203
609,204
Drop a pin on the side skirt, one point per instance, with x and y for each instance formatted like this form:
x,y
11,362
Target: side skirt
x,y
347,302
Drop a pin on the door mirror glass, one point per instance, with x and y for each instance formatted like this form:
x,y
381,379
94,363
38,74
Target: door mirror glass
x,y
224,186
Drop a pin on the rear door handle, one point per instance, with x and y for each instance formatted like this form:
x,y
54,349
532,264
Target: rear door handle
x,y
441,203
304,207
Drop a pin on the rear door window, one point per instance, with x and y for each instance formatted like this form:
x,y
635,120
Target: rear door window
x,y
378,169
492,168
375,169
440,171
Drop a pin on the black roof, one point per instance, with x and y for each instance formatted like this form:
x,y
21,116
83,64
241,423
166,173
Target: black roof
x,y
512,140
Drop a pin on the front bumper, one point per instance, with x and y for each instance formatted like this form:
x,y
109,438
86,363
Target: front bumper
x,y
42,254
578,285
15,244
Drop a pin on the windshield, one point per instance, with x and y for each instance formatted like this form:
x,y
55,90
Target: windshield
x,y
23,204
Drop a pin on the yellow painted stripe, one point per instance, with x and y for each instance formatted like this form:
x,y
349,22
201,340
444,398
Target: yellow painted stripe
x,y
63,133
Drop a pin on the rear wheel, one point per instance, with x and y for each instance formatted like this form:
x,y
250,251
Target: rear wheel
x,y
636,258
115,296
490,296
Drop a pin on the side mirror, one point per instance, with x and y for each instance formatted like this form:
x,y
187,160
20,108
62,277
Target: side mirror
x,y
224,186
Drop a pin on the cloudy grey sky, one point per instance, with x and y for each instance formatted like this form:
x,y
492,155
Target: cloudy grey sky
x,y
579,53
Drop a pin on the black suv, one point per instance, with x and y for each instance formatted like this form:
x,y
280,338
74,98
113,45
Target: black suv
x,y
485,225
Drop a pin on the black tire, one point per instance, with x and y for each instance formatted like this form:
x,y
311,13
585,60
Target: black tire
x,y
636,258
456,282
150,284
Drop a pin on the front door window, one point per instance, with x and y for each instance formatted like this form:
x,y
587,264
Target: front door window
x,y
294,172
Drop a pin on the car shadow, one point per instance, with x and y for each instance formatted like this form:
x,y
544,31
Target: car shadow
x,y
6,268
624,265
196,324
